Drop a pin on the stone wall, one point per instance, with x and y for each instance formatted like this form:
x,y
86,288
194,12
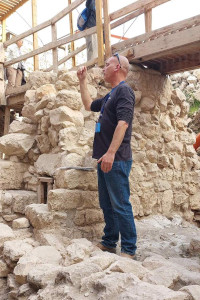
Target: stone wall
x,y
57,132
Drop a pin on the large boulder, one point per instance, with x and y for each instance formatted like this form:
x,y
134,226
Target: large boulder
x,y
63,114
21,127
72,99
16,144
11,175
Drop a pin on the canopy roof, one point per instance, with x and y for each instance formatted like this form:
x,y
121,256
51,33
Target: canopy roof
x,y
7,7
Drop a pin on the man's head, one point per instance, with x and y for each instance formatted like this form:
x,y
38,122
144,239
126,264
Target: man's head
x,y
116,68
19,43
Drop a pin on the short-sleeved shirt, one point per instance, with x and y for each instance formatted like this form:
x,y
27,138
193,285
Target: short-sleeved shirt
x,y
119,106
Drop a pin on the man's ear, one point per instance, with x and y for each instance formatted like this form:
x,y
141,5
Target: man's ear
x,y
117,68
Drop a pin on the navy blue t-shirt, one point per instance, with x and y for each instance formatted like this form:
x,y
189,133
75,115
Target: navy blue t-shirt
x,y
119,106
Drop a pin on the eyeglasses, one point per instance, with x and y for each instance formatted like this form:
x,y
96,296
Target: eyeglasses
x,y
117,55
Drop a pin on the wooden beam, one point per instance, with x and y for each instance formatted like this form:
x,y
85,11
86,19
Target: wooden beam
x,y
35,36
194,21
192,62
64,59
4,30
107,29
22,2
71,32
99,32
45,24
6,120
148,20
55,50
13,91
134,6
52,45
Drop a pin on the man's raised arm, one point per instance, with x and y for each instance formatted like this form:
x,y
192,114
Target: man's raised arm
x,y
82,76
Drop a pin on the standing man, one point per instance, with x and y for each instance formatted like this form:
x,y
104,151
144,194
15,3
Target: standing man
x,y
113,151
15,72
91,40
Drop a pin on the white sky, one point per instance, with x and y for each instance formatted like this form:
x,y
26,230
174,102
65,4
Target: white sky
x,y
165,14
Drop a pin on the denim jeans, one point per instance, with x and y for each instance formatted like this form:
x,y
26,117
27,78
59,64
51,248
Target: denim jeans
x,y
114,193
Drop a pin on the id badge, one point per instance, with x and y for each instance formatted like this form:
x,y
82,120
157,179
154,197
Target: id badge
x,y
98,127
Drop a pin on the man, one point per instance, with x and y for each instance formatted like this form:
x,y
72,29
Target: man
x,y
113,151
15,72
91,40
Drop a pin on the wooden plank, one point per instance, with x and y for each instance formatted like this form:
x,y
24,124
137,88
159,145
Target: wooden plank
x,y
107,29
127,18
134,6
6,120
99,28
22,2
71,26
54,50
194,21
3,31
178,42
66,11
46,179
52,45
44,24
35,36
13,101
189,64
148,20
64,59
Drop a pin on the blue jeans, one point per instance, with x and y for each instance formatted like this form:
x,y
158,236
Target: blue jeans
x,y
114,193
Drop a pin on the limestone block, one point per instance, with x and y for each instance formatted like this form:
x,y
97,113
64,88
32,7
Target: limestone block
x,y
75,179
21,127
192,79
13,250
195,200
44,124
63,199
45,100
62,85
44,90
6,234
38,256
175,146
88,217
70,77
28,111
103,259
43,143
20,223
4,270
72,160
78,250
176,161
16,144
19,199
147,104
75,273
143,290
39,114
163,161
39,78
11,174
190,151
72,99
63,114
86,137
39,216
46,164
165,122
195,246
43,275
178,96
138,97
161,277
168,135
125,265
53,137
192,290
96,74
29,96
196,73
161,185
167,202
68,138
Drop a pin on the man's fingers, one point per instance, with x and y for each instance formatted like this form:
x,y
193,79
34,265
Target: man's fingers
x,y
100,159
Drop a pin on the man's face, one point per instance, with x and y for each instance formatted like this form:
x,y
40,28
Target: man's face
x,y
19,43
111,66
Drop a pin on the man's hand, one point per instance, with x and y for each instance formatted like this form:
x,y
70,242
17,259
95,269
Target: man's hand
x,y
82,73
106,162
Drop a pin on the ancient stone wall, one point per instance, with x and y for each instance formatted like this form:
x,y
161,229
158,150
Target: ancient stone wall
x,y
57,132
